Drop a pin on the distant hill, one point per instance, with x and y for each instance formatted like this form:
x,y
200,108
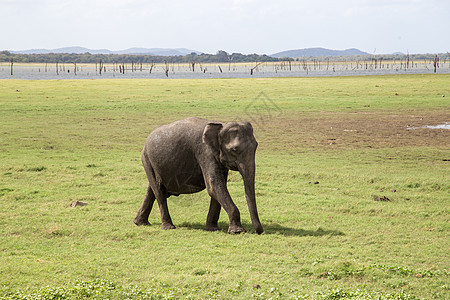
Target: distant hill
x,y
77,50
311,52
131,51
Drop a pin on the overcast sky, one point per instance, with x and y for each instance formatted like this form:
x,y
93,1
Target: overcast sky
x,y
246,26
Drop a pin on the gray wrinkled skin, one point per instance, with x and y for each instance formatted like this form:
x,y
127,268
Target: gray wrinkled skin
x,y
190,155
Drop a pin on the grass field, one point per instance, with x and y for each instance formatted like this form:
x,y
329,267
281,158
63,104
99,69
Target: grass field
x,y
328,148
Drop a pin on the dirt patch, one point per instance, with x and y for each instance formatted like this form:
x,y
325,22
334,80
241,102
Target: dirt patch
x,y
355,130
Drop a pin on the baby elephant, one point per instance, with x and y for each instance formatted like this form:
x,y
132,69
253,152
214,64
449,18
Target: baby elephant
x,y
190,155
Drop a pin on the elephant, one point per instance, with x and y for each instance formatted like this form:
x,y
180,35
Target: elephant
x,y
189,155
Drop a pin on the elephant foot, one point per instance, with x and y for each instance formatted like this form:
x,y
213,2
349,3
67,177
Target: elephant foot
x,y
234,229
166,226
210,227
140,222
259,229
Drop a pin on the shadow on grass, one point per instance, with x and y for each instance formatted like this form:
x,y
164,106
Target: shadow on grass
x,y
288,231
270,229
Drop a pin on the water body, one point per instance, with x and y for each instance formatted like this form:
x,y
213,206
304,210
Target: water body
x,y
446,125
183,71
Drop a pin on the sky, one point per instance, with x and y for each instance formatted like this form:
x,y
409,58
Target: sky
x,y
244,26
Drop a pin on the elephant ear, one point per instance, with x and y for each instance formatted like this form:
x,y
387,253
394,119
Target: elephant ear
x,y
211,137
248,125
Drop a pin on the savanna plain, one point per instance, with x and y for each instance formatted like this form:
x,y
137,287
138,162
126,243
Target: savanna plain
x,y
352,191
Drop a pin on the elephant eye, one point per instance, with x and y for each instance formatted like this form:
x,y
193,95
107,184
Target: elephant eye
x,y
234,149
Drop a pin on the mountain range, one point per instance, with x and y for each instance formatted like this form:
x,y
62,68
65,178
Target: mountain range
x,y
306,52
312,52
130,51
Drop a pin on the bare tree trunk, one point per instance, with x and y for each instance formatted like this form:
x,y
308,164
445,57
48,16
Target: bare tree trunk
x,y
254,68
166,69
230,59
101,66
435,63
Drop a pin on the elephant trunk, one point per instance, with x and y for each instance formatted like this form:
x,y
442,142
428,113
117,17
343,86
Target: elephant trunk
x,y
247,171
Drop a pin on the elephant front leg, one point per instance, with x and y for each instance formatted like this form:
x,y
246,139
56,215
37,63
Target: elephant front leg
x,y
216,186
213,216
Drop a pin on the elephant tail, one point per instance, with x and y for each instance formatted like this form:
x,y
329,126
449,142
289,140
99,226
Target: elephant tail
x,y
147,165
154,180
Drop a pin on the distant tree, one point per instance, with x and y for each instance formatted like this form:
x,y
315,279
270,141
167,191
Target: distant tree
x,y
222,54
220,57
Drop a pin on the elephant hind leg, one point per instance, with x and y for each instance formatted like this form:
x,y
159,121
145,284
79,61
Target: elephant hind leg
x,y
156,191
213,216
145,209
161,197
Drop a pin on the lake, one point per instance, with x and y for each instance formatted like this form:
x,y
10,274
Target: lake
x,y
221,70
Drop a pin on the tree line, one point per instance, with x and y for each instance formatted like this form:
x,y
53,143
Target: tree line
x,y
219,57
379,57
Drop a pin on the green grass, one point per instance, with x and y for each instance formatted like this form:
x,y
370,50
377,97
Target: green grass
x,y
62,141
